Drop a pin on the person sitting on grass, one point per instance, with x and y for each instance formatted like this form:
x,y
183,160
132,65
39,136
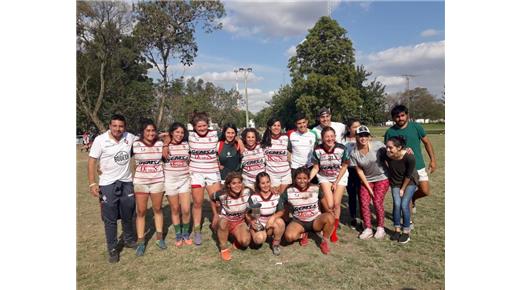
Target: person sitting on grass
x,y
266,222
303,200
232,203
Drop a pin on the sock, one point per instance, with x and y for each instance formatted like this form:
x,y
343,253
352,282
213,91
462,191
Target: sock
x,y
197,228
140,240
158,235
177,229
276,242
185,228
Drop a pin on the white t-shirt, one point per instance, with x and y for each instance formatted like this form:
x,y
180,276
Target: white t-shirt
x,y
339,128
302,146
114,157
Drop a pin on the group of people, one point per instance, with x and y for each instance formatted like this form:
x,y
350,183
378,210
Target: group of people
x,y
270,187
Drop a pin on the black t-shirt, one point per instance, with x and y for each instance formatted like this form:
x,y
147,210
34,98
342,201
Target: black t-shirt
x,y
229,158
399,169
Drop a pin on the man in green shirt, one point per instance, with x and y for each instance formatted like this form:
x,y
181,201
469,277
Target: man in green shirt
x,y
414,134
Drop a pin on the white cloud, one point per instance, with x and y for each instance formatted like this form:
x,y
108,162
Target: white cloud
x,y
365,5
228,76
291,51
273,19
257,98
429,32
425,61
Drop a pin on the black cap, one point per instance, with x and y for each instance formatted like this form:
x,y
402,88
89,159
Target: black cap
x,y
324,111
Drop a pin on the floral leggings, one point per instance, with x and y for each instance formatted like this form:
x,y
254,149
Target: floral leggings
x,y
380,188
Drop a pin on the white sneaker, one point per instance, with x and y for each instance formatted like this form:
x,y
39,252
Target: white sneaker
x,y
366,234
414,208
380,233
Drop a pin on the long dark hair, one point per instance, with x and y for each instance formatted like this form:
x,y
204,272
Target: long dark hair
x,y
244,134
224,129
176,125
145,123
399,141
349,124
266,139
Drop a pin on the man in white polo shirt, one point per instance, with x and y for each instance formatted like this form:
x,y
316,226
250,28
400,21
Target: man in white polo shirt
x,y
115,189
301,144
325,120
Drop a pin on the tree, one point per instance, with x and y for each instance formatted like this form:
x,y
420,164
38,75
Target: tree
x,y
372,109
420,102
166,30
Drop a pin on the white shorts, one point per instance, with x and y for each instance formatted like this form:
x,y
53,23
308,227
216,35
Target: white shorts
x,y
203,179
178,186
423,175
277,180
343,181
157,187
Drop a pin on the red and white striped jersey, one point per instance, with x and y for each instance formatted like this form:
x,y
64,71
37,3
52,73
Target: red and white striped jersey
x,y
177,163
233,209
253,162
304,205
203,152
148,160
268,205
330,161
276,157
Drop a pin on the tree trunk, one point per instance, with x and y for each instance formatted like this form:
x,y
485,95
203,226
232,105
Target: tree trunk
x,y
85,105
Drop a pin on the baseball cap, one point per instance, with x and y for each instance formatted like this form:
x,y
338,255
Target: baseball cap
x,y
324,111
362,129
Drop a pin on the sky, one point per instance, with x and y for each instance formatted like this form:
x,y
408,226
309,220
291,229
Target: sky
x,y
391,39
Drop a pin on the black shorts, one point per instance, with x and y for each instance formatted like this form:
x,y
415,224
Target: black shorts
x,y
307,226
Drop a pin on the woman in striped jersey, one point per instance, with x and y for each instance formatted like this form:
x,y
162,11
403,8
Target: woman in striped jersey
x,y
177,182
277,156
232,205
303,201
204,169
253,158
148,182
271,221
330,161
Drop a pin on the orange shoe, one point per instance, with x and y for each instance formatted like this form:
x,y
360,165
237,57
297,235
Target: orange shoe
x,y
324,247
186,239
225,255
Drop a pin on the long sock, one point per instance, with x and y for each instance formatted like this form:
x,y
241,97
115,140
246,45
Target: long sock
x,y
158,235
197,228
178,229
185,228
334,236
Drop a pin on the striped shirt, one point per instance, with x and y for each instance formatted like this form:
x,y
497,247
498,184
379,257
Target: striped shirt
x,y
232,209
330,161
177,163
304,205
253,162
268,205
148,161
276,157
203,152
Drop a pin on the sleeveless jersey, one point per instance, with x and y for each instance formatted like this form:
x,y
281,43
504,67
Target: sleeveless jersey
x,y
276,157
253,162
304,205
268,205
233,209
177,164
149,165
330,161
203,152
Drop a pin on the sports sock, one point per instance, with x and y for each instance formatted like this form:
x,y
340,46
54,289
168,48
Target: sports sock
x,y
185,228
197,228
177,229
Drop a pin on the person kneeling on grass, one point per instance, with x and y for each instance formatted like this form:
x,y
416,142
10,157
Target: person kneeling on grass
x,y
232,203
303,201
403,182
263,219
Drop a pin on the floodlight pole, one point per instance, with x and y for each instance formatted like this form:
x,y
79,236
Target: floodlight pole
x,y
246,72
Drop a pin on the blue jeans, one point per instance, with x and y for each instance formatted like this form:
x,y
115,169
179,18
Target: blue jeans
x,y
402,204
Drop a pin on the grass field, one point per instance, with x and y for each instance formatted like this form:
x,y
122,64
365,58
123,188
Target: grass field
x,y
352,263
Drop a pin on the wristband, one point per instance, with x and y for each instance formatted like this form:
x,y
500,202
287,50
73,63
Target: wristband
x,y
92,184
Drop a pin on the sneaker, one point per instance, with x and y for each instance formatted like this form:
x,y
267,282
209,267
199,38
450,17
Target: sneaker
x,y
380,233
404,238
178,240
353,224
395,236
139,251
304,240
225,255
161,244
113,256
131,245
411,225
324,247
414,208
366,234
186,239
198,238
276,250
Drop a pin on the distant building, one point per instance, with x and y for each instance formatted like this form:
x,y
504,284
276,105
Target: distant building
x,y
389,123
422,121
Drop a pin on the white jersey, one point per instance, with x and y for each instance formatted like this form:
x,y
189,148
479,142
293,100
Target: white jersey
x,y
301,146
276,157
268,208
177,164
330,161
114,157
253,162
339,128
148,161
233,209
305,205
203,152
